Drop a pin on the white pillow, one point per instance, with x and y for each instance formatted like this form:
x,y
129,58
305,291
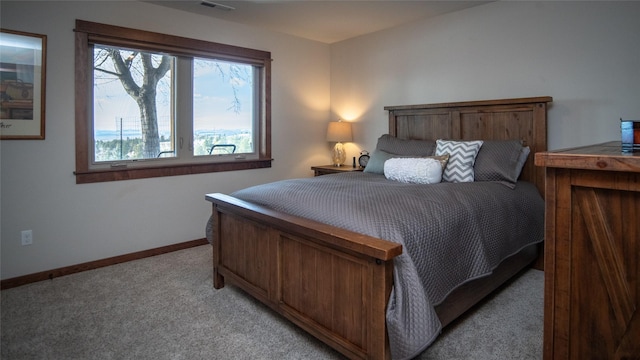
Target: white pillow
x,y
462,156
413,170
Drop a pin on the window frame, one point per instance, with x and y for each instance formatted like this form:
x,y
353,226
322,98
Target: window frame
x,y
87,33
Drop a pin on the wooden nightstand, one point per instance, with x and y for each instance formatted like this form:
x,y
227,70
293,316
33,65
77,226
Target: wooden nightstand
x,y
330,169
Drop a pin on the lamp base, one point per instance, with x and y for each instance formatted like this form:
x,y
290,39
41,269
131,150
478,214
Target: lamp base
x,y
339,155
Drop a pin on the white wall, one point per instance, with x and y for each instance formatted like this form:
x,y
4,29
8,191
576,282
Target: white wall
x,y
586,55
78,223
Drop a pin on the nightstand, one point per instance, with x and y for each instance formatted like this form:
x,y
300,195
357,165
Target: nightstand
x,y
330,169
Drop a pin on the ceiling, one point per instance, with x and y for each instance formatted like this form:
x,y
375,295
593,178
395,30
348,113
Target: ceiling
x,y
327,21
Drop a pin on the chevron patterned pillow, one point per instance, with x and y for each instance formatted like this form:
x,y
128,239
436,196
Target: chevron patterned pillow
x,y
462,156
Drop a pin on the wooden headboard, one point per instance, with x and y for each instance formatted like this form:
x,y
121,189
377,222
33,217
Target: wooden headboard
x,y
523,119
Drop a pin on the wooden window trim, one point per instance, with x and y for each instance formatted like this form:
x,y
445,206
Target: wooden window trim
x,y
86,32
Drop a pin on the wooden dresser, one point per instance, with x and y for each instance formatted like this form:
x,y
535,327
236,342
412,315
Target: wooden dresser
x,y
592,253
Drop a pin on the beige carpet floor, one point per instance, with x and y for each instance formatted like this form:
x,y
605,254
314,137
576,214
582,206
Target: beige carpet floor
x,y
165,307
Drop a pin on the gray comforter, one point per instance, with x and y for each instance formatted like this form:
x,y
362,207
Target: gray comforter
x,y
450,233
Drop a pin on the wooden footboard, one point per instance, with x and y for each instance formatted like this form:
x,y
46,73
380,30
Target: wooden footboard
x,y
331,282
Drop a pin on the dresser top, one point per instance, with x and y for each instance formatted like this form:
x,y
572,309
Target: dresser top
x,y
606,156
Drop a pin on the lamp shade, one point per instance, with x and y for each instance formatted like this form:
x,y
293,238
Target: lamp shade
x,y
339,131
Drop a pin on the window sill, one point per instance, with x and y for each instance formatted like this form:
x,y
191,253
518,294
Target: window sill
x,y
94,176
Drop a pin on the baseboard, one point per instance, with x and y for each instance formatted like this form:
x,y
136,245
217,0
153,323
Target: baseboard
x,y
50,274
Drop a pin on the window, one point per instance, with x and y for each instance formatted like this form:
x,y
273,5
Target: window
x,y
150,105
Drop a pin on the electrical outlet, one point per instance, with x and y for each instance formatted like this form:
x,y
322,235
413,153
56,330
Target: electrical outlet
x,y
27,237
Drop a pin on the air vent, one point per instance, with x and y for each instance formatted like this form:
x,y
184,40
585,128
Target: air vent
x,y
217,6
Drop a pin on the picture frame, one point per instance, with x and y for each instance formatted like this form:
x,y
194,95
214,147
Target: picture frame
x,y
22,85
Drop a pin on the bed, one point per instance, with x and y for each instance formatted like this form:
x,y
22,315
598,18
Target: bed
x,y
356,284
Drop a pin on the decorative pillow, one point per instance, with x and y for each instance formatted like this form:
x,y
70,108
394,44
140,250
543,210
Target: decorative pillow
x,y
443,159
379,157
498,161
462,156
398,146
376,161
413,170
521,160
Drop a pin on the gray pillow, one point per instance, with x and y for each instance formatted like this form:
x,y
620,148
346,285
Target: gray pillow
x,y
521,160
397,146
375,164
497,161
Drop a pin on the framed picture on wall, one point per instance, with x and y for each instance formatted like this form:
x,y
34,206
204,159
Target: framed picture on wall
x,y
22,84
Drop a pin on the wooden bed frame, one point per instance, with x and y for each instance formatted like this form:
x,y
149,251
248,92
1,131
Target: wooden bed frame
x,y
335,283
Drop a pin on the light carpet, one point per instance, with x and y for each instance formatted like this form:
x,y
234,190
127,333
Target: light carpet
x,y
165,307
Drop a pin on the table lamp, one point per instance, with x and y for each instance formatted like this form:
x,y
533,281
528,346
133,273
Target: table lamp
x,y
339,132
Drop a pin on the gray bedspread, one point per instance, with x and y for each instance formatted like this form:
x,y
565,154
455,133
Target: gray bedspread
x,y
450,233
